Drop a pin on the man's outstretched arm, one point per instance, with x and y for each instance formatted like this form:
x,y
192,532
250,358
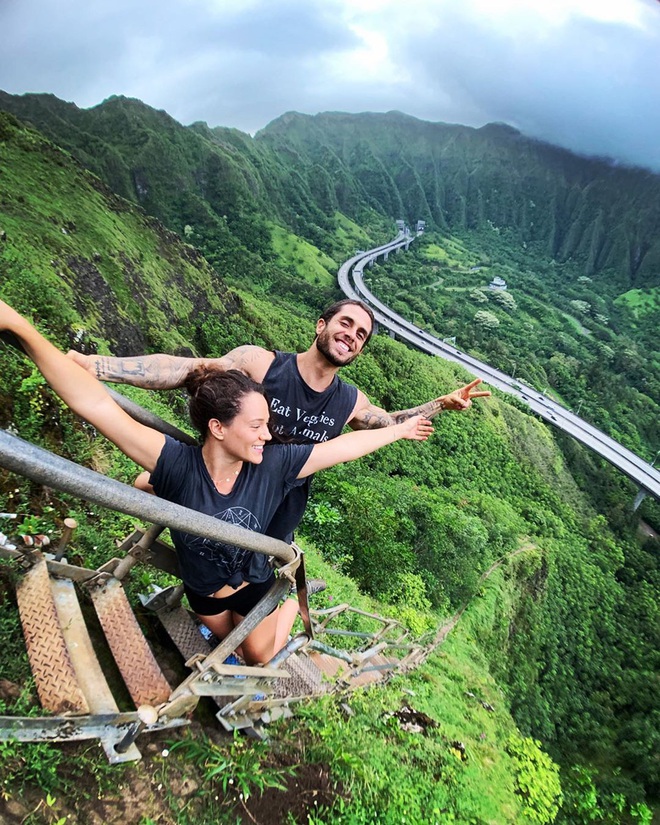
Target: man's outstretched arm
x,y
368,416
165,372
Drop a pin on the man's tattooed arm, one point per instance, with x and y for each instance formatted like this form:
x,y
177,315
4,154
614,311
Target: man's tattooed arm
x,y
428,410
372,417
367,416
154,372
164,372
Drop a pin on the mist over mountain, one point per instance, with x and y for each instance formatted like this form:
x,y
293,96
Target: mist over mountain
x,y
301,169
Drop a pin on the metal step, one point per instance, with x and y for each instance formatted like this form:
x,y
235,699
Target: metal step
x,y
332,668
138,666
306,678
66,670
184,632
375,670
88,670
54,672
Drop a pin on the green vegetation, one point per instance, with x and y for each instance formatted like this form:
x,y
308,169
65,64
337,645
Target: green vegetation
x,y
237,769
640,301
391,774
542,328
309,263
562,641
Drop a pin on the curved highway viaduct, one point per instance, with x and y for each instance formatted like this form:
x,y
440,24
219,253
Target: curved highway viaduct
x,y
352,284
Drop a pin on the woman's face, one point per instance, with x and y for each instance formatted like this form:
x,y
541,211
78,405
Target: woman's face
x,y
246,435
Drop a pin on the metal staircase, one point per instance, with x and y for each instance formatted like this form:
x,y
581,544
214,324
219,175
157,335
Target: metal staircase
x,y
69,679
324,658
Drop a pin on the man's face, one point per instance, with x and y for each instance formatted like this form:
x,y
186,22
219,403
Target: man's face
x,y
342,338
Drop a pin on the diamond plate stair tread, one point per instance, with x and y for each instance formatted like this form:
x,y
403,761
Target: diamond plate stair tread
x,y
87,668
329,665
51,664
369,676
306,678
335,669
184,632
139,668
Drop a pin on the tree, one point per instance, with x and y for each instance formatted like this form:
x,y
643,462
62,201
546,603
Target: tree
x,y
486,320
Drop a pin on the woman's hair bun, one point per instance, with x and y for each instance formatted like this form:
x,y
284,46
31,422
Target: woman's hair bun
x,y
200,375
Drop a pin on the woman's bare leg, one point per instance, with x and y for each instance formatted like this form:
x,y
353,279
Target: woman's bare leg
x,y
287,616
270,635
266,639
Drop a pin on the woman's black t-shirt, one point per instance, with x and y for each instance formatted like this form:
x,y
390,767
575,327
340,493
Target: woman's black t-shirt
x,y
181,476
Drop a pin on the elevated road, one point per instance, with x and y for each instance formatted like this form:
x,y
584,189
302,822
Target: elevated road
x,y
350,277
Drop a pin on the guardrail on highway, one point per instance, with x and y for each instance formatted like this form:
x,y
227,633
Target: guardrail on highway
x,y
640,471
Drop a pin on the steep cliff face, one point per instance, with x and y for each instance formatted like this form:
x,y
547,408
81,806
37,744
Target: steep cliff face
x,y
301,170
80,257
456,177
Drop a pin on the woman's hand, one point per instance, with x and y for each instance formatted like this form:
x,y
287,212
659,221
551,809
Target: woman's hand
x,y
416,428
83,393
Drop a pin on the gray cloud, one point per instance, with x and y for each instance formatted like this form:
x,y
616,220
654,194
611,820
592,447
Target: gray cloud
x,y
229,65
587,85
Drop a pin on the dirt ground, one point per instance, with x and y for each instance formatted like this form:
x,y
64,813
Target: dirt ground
x,y
165,790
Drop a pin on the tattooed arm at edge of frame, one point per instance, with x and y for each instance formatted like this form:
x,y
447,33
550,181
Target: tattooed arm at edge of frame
x,y
165,372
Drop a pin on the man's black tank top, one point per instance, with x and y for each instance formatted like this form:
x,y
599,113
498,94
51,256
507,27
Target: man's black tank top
x,y
303,416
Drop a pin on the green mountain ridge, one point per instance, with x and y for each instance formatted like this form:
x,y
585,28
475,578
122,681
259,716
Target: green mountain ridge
x,y
303,168
568,631
457,178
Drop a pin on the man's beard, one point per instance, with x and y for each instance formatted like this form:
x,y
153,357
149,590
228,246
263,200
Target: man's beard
x,y
323,346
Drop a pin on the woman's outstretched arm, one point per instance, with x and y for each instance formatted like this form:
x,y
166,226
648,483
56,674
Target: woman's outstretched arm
x,y
354,445
83,393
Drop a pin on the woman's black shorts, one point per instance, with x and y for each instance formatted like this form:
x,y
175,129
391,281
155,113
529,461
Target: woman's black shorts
x,y
241,602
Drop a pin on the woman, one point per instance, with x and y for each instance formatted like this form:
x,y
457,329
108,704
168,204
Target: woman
x,y
235,475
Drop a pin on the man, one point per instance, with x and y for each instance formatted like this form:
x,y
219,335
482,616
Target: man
x,y
309,402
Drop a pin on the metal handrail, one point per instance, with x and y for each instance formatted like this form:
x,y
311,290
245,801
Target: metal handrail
x,y
44,467
148,418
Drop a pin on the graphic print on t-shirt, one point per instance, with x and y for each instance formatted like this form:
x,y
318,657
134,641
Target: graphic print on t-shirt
x,y
300,423
300,413
227,557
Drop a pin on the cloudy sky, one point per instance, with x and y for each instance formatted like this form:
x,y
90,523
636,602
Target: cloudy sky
x,y
580,73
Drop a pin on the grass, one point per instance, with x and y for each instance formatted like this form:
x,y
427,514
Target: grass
x,y
388,774
310,264
350,232
640,301
456,770
450,251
